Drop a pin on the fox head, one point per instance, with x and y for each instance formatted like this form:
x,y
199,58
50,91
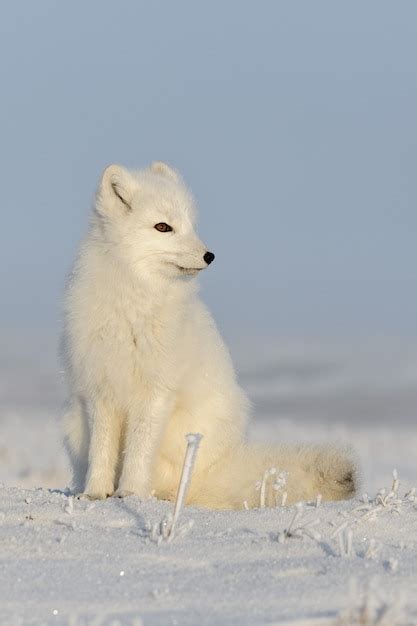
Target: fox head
x,y
147,217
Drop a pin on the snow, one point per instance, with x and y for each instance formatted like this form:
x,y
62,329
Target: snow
x,y
74,562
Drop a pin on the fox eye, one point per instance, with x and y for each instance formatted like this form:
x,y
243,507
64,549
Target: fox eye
x,y
163,228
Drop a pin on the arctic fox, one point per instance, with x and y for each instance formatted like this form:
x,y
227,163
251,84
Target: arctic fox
x,y
146,365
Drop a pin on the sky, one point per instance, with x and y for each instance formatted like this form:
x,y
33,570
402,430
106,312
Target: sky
x,y
294,123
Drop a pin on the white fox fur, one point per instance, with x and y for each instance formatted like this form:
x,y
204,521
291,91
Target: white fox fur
x,y
146,365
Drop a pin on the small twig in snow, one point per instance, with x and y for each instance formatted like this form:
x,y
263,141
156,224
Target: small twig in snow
x,y
69,507
193,441
392,565
302,530
395,482
346,543
279,484
167,529
267,474
372,550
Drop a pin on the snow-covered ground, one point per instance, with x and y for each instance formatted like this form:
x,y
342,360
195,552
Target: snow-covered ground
x,y
64,561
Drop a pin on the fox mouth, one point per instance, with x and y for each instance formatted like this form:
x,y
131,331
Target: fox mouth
x,y
186,270
189,269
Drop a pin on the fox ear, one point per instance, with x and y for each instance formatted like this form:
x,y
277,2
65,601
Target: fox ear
x,y
115,191
159,167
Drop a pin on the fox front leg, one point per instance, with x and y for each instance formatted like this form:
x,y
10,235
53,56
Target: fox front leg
x,y
105,427
145,427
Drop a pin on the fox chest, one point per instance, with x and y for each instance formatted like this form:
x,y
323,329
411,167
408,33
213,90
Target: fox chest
x,y
145,359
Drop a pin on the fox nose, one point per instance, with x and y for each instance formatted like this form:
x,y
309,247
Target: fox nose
x,y
208,257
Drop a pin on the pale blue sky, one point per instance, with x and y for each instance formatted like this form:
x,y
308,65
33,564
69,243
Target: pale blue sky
x,y
294,123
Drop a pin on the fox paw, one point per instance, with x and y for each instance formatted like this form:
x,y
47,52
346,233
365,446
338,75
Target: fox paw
x,y
98,495
123,493
96,491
